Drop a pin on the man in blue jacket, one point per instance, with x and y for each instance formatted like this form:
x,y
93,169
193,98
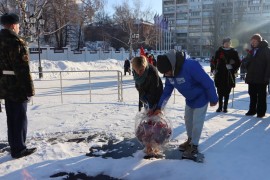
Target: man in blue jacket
x,y
189,78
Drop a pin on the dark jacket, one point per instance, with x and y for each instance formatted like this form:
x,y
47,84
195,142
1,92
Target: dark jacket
x,y
243,68
14,57
226,77
151,89
258,65
127,64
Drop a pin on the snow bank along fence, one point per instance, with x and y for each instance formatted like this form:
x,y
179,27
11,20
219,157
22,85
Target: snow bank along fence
x,y
66,53
65,83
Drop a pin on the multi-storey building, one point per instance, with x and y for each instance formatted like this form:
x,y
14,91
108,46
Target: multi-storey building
x,y
199,25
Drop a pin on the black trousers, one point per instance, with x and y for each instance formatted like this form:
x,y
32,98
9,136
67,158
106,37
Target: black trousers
x,y
223,92
257,94
127,70
16,124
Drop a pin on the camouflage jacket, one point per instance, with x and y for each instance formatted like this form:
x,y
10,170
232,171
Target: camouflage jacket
x,y
14,57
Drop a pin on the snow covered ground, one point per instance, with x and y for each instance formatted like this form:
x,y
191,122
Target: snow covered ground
x,y
236,147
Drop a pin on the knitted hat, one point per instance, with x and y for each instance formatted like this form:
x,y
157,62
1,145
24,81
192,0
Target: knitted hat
x,y
227,39
163,64
9,18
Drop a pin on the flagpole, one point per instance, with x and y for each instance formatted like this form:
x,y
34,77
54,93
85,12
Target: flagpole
x,y
156,31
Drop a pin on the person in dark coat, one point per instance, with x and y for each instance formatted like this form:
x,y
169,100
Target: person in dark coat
x,y
212,65
127,67
147,82
243,69
16,85
227,63
258,74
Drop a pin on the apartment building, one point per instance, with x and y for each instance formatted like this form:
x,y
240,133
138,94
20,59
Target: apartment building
x,y
198,26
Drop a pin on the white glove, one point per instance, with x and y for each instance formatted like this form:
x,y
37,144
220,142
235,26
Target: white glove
x,y
228,66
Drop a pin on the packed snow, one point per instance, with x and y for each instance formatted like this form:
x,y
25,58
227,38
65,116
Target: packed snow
x,y
236,147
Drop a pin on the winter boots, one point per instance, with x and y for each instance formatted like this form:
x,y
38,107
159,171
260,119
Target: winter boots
x,y
219,109
184,146
191,151
220,104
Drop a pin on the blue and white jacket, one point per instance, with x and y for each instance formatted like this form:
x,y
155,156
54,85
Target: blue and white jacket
x,y
191,81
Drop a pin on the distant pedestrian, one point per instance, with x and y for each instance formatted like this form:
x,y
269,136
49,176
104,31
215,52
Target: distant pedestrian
x,y
227,63
212,65
127,67
150,58
258,74
243,69
16,85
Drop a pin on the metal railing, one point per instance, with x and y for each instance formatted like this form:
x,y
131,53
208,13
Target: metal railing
x,y
90,72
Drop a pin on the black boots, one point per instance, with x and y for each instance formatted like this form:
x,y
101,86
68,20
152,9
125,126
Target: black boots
x,y
219,109
226,99
220,104
24,152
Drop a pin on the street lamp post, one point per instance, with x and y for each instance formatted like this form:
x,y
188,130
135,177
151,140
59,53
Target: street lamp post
x,y
38,23
133,37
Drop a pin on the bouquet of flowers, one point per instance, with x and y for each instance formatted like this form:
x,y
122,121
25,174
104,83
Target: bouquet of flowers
x,y
249,53
153,132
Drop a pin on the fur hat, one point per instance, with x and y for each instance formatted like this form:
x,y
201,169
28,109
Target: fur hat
x,y
227,39
163,64
257,37
10,18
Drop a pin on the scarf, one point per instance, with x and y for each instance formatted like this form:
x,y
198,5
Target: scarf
x,y
140,79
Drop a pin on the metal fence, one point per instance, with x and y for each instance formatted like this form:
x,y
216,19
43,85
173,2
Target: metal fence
x,y
62,85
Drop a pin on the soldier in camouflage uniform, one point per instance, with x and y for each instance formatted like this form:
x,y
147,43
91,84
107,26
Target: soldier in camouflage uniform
x,y
16,85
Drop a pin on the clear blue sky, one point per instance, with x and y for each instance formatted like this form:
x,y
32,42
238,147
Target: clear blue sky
x,y
156,5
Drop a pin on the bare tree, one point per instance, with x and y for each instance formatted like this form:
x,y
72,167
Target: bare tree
x,y
6,5
130,20
85,15
68,18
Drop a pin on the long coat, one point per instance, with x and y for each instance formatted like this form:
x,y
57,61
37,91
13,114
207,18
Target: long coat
x,y
225,78
14,57
258,65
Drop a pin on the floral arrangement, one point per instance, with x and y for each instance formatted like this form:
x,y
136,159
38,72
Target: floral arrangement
x,y
153,132
249,53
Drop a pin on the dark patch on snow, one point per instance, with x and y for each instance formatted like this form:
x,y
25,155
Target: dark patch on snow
x,y
128,147
82,176
118,150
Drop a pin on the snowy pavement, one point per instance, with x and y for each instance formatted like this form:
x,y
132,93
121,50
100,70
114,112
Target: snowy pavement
x,y
235,146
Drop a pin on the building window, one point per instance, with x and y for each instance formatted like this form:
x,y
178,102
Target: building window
x,y
195,13
181,1
254,8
